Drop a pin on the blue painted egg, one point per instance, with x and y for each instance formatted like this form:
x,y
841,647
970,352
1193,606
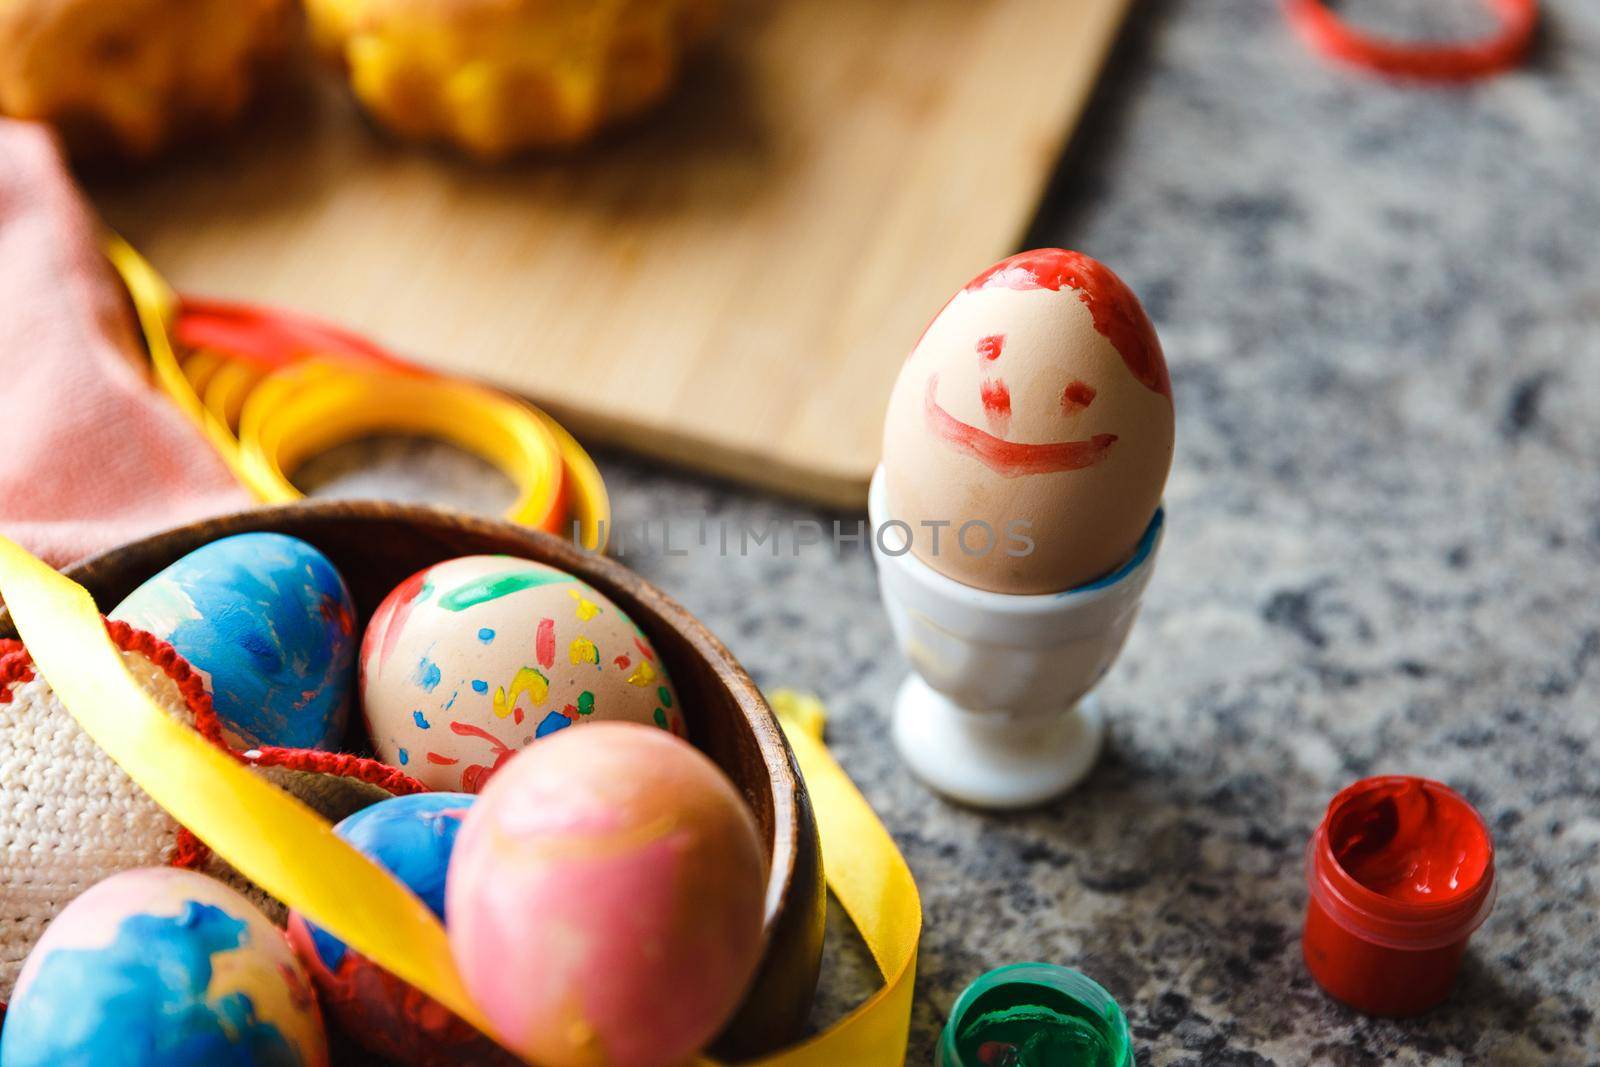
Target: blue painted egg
x,y
412,837
158,967
269,624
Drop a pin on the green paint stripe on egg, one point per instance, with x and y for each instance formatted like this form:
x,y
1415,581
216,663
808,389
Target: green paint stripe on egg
x,y
666,696
494,586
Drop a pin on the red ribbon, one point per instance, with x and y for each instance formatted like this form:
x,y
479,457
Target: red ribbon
x,y
1330,36
270,337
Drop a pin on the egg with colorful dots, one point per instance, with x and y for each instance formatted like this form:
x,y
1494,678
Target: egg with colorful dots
x,y
159,967
412,838
269,625
470,661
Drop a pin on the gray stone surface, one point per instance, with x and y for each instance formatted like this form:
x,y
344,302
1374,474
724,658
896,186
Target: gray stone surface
x,y
1381,307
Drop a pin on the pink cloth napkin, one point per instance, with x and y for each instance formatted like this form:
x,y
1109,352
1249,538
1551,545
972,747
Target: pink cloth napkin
x,y
91,453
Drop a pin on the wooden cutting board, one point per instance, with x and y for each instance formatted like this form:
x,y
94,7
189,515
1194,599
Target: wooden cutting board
x,y
731,284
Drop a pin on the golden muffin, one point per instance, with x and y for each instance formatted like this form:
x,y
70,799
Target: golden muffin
x,y
494,77
128,77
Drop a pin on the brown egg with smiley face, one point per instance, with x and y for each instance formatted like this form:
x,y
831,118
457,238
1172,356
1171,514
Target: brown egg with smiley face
x,y
1030,432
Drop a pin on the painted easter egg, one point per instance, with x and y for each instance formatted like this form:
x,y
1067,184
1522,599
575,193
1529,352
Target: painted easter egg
x,y
1030,432
159,967
412,838
268,623
471,660
605,899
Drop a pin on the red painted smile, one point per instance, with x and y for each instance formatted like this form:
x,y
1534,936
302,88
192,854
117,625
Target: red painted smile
x,y
1013,458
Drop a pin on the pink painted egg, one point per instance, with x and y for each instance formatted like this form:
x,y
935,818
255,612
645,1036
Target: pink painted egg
x,y
605,898
468,662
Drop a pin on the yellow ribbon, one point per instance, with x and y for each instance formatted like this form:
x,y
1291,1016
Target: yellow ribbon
x,y
156,305
291,852
874,886
294,413
266,422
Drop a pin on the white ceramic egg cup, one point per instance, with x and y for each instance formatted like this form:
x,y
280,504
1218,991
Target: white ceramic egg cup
x,y
995,712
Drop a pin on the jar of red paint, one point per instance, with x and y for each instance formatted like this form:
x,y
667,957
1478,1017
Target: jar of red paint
x,y
1401,873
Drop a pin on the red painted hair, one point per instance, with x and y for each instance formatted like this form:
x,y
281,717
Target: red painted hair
x,y
1117,313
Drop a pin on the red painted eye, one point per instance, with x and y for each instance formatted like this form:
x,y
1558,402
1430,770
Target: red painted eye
x,y
1076,396
996,398
990,347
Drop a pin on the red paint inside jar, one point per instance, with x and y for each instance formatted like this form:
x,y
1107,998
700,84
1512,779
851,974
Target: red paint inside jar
x,y
1401,872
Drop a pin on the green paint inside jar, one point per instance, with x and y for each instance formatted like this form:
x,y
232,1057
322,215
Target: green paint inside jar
x,y
1035,1015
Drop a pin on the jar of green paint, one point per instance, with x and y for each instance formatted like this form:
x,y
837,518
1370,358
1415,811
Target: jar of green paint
x,y
1035,1015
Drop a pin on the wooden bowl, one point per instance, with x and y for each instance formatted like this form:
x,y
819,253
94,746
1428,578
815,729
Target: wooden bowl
x,y
377,545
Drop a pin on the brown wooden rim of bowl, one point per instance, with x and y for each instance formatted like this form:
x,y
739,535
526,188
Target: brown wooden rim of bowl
x,y
782,772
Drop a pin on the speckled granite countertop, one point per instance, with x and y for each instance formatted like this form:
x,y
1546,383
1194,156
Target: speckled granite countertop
x,y
1381,307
